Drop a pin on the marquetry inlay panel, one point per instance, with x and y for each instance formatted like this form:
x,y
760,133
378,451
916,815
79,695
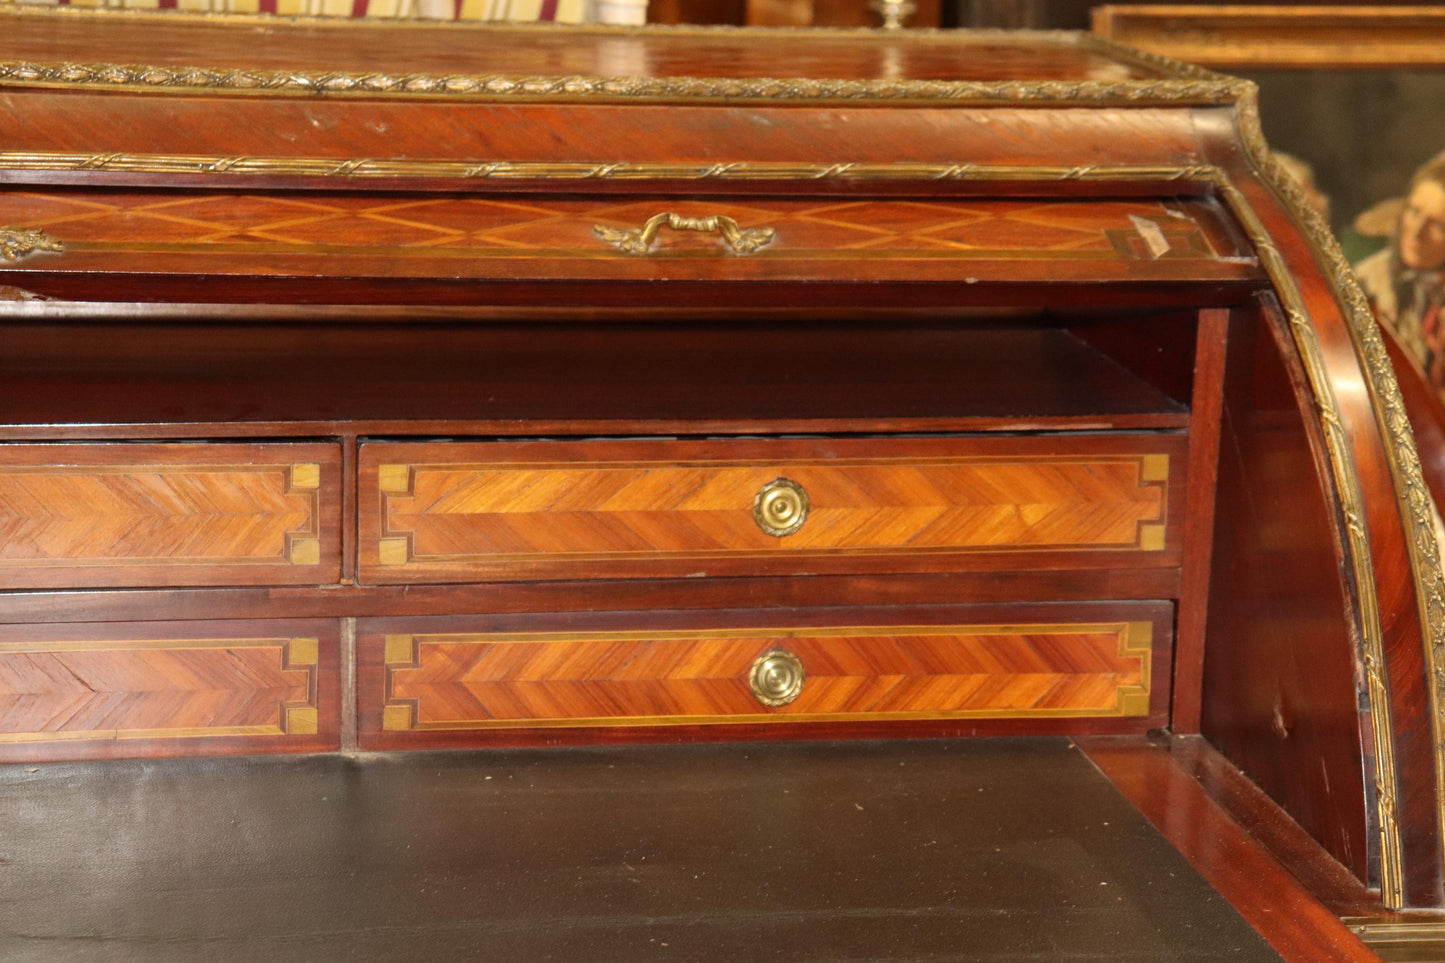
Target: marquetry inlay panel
x,y
456,518
159,515
522,236
490,680
68,691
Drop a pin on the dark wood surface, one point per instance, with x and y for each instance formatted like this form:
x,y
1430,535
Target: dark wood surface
x,y
408,245
1279,670
1174,783
209,302
1427,414
1204,441
1265,823
600,379
1060,585
695,136
1397,584
979,850
447,48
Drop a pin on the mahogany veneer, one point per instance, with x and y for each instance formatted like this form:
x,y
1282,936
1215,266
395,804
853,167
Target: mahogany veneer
x,y
342,409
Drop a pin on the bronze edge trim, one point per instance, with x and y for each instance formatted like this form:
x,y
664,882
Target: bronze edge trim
x,y
1404,463
118,76
384,168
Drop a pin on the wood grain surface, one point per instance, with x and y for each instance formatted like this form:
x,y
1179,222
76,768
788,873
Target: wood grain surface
x,y
392,236
1282,36
1167,790
155,689
593,377
480,50
169,514
457,511
1398,587
306,210
460,682
1279,681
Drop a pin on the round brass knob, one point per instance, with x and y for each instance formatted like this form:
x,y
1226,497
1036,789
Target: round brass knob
x,y
780,507
777,677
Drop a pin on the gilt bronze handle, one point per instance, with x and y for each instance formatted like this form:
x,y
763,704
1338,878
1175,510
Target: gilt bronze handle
x,y
639,240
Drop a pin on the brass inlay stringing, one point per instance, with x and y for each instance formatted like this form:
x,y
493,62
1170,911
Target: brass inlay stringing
x,y
639,240
1404,461
17,242
1363,605
780,507
384,168
776,677
1130,698
1198,87
1389,410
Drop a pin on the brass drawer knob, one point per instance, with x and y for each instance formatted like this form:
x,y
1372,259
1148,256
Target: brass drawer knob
x,y
780,507
777,677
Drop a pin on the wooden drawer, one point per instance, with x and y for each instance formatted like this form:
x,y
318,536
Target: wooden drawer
x,y
421,246
167,688
179,514
462,511
1093,666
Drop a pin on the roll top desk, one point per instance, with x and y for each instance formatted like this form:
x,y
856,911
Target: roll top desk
x,y
422,387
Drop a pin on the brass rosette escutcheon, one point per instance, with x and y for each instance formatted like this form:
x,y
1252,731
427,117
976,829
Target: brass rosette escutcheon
x,y
780,507
776,677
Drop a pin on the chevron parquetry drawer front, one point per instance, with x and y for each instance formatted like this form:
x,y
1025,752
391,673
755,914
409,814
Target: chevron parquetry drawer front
x,y
462,511
93,690
419,682
178,514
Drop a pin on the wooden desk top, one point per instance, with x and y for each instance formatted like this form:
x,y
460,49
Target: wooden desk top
x,y
325,48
